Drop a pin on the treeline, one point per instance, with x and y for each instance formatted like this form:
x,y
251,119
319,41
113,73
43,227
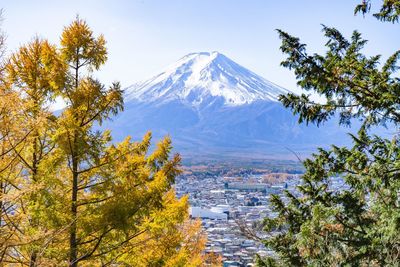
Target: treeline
x,y
68,195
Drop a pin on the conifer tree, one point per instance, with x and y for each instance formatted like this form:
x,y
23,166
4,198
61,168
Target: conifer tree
x,y
34,73
88,101
357,225
117,190
8,167
69,195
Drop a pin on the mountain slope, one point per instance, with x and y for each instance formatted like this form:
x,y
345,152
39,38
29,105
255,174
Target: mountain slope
x,y
198,78
211,105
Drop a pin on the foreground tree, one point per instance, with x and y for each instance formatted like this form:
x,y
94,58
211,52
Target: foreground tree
x,y
9,193
358,225
88,101
116,191
34,74
68,194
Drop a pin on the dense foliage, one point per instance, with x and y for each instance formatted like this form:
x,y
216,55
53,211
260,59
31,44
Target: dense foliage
x,y
68,194
358,225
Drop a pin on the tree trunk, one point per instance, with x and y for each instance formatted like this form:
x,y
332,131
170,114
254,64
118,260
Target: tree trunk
x,y
74,197
32,262
73,256
34,223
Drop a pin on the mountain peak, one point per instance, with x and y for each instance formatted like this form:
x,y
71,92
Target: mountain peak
x,y
212,55
202,78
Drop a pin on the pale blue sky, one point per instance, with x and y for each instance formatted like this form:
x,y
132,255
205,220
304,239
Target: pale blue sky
x,y
146,35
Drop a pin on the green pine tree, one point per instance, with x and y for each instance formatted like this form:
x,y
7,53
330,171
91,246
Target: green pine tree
x,y
358,225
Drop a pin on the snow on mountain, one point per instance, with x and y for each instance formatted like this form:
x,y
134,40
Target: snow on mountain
x,y
210,105
199,78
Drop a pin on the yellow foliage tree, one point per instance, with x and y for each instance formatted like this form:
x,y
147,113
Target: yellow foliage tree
x,y
69,195
34,75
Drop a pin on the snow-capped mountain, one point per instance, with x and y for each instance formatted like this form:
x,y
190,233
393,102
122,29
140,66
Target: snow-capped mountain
x,y
198,78
210,105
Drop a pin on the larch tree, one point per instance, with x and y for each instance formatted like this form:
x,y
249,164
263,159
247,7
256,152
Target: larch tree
x,y
69,195
358,224
8,167
35,74
116,190
88,102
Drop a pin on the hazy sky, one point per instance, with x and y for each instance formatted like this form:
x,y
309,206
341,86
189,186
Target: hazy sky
x,y
144,36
